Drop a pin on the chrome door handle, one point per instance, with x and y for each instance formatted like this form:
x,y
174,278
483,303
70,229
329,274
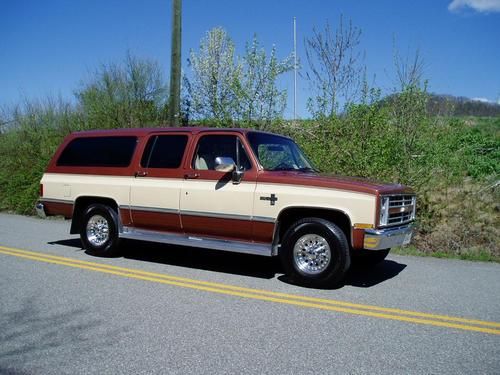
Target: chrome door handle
x,y
190,176
141,174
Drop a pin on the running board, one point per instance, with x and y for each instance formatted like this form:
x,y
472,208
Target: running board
x,y
196,241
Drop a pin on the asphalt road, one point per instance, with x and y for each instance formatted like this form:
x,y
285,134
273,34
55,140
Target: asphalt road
x,y
172,310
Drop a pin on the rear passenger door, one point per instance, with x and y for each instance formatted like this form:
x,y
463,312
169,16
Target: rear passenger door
x,y
211,205
155,191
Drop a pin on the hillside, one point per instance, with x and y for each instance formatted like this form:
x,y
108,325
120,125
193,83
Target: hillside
x,y
461,106
455,106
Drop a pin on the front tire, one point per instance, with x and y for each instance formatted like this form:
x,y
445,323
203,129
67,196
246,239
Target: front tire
x,y
99,231
315,252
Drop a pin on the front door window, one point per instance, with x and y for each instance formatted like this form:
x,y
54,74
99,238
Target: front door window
x,y
212,146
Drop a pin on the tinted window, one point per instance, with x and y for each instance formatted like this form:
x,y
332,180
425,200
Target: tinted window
x,y
98,152
164,151
212,146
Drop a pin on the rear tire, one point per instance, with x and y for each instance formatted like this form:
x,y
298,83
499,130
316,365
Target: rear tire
x,y
99,231
315,252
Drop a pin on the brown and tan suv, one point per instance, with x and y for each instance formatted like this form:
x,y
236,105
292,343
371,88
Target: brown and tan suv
x,y
227,189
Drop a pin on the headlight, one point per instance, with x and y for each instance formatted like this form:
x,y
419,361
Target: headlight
x,y
384,210
414,203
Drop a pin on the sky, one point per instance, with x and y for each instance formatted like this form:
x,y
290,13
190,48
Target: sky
x,y
48,48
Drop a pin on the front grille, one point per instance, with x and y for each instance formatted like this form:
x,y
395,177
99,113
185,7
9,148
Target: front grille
x,y
397,209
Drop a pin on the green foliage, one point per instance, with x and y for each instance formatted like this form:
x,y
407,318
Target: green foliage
x,y
131,94
27,147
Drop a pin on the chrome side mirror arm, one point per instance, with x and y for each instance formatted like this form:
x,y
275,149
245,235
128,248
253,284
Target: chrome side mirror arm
x,y
237,175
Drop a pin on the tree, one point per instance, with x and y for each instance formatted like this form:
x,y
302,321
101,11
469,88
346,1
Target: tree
x,y
260,100
131,94
409,70
227,88
408,107
334,67
214,74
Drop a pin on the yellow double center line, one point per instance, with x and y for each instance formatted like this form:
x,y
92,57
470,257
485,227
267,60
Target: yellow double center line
x,y
264,295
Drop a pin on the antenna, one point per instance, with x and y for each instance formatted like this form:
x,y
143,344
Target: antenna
x,y
294,69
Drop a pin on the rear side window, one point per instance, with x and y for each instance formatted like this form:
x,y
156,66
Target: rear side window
x,y
98,152
164,151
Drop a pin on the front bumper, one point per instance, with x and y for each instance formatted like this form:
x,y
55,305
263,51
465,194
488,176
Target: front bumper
x,y
40,210
380,239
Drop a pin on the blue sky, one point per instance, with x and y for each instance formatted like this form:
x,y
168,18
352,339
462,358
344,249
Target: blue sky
x,y
48,47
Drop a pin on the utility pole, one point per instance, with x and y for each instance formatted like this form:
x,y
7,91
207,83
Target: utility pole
x,y
294,70
175,66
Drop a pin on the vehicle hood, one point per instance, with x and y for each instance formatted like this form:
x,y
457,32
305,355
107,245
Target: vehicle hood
x,y
357,184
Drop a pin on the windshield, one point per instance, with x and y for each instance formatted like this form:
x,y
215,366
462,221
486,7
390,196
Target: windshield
x,y
277,153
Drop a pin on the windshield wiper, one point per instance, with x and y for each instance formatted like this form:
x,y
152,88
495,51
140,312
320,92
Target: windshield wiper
x,y
308,169
303,169
284,169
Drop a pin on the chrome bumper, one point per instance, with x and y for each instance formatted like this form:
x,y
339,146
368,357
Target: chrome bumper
x,y
40,210
380,239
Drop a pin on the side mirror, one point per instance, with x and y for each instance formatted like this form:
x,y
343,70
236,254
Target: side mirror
x,y
227,164
224,164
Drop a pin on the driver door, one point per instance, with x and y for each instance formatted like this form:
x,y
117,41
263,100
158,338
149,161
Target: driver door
x,y
211,204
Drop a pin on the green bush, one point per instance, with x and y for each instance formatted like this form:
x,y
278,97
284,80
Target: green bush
x,y
26,148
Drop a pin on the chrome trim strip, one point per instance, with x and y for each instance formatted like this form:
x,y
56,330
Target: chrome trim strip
x,y
383,231
200,213
197,241
152,209
54,200
264,219
216,215
228,216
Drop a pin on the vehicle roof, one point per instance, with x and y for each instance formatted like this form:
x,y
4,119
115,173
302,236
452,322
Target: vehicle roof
x,y
145,131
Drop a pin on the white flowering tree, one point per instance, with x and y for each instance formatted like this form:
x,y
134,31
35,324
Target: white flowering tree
x,y
214,73
225,88
259,97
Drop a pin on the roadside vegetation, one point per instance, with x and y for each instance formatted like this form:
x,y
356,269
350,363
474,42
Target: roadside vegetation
x,y
447,150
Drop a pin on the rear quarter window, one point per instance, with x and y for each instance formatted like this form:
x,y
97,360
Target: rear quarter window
x,y
98,152
164,151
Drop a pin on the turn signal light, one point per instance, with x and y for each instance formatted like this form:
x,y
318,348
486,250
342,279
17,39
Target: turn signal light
x,y
363,226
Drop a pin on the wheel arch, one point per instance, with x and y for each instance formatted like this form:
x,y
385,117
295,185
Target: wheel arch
x,y
81,203
290,215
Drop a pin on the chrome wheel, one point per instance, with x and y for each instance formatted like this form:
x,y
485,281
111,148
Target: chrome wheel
x,y
97,230
312,254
